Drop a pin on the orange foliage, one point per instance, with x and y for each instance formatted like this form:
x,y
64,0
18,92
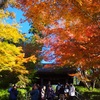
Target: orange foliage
x,y
71,29
80,76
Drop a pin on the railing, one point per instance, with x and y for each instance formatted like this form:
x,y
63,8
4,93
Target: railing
x,y
79,96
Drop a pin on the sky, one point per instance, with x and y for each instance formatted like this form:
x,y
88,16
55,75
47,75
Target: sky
x,y
24,27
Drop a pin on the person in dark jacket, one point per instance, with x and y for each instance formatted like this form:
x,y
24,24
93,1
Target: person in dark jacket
x,y
58,90
61,91
50,93
13,93
34,93
39,88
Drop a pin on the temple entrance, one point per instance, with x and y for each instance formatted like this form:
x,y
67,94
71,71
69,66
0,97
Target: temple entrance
x,y
55,76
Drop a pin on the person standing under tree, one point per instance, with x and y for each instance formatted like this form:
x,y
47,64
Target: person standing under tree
x,y
34,93
71,92
13,93
50,93
47,86
66,91
61,91
58,90
43,93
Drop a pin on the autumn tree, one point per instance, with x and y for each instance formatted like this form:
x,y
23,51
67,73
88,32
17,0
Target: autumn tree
x,y
32,47
71,29
12,57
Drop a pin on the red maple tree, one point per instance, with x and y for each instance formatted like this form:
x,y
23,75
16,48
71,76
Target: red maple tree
x,y
71,29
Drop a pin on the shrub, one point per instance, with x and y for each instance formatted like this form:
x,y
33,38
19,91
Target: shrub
x,y
22,94
89,94
4,95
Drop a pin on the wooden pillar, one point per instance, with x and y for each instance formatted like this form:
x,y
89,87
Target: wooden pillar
x,y
41,81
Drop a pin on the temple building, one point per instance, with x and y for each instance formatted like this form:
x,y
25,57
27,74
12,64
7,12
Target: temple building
x,y
55,75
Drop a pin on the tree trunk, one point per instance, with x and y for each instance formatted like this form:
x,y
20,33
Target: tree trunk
x,y
93,85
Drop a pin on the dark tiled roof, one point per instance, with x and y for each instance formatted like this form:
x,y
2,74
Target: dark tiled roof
x,y
56,70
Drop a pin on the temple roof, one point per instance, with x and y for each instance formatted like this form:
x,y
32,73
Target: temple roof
x,y
63,70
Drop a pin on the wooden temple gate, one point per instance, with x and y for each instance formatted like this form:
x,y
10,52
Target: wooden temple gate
x,y
55,76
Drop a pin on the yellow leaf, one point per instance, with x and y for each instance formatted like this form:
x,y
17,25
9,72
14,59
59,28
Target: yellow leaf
x,y
80,2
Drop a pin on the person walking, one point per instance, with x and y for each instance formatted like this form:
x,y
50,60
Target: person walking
x,y
13,93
